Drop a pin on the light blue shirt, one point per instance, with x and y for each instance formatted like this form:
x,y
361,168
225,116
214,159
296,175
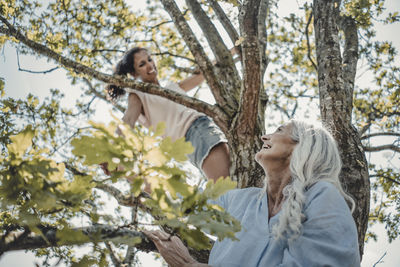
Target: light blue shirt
x,y
328,238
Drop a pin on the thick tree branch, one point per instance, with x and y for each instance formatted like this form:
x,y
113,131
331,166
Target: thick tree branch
x,y
210,110
222,54
96,233
350,54
226,23
380,148
262,34
248,110
195,47
214,39
224,66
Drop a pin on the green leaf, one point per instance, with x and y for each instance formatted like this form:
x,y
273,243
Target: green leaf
x,y
178,149
221,186
21,142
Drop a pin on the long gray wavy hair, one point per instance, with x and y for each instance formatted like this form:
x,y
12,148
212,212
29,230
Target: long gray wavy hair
x,y
314,158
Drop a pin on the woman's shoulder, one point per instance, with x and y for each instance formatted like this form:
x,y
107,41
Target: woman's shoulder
x,y
245,191
243,194
325,194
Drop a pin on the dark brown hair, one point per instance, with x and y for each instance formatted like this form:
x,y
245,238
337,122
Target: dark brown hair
x,y
123,67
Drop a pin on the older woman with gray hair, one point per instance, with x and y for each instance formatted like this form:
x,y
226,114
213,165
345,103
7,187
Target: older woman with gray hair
x,y
300,217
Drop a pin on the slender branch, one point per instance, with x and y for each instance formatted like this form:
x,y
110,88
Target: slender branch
x,y
114,258
107,50
173,55
226,23
160,24
380,134
186,70
365,128
380,260
380,148
68,139
101,96
308,42
385,177
32,71
122,199
210,110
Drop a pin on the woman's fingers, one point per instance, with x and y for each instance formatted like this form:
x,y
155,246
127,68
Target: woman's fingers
x,y
161,235
104,167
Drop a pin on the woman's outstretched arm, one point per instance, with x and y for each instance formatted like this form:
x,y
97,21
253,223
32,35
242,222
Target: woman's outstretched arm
x,y
133,111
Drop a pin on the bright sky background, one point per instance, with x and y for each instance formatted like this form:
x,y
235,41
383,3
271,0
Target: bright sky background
x,y
19,84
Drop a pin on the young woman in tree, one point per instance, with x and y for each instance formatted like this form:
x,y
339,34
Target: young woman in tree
x,y
211,153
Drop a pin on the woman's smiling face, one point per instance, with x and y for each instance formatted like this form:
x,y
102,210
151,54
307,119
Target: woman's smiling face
x,y
277,146
144,67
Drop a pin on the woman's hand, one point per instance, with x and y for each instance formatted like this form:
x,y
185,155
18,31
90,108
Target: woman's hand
x,y
171,249
104,167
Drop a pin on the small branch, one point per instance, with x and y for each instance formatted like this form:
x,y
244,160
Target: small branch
x,y
68,139
173,55
124,200
160,24
101,96
380,148
380,134
186,70
365,128
308,42
32,71
380,260
107,50
113,257
385,177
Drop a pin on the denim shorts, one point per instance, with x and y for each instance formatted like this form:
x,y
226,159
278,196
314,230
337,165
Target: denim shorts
x,y
204,134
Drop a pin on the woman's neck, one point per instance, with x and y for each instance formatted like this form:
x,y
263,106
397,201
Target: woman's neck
x,y
277,180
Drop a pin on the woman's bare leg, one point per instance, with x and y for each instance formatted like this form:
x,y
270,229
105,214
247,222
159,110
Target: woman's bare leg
x,y
217,163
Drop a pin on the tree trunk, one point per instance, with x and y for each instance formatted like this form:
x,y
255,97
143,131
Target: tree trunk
x,y
336,85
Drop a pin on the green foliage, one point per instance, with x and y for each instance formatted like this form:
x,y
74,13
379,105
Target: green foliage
x,y
32,185
150,158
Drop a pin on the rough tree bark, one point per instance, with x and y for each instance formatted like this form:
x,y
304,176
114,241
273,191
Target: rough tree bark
x,y
336,84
